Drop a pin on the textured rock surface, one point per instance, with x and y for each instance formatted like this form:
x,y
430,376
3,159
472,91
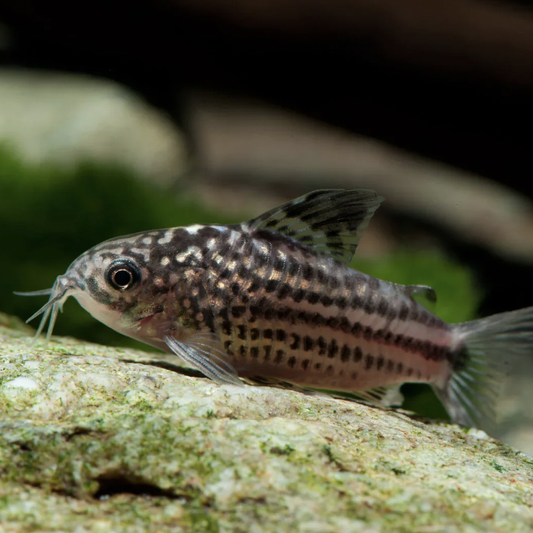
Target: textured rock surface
x,y
94,440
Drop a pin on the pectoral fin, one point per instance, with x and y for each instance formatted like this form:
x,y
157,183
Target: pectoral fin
x,y
204,352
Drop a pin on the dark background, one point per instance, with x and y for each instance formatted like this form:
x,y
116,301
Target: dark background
x,y
451,80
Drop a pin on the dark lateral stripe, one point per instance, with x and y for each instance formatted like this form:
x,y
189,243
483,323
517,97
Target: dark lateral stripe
x,y
247,278
426,349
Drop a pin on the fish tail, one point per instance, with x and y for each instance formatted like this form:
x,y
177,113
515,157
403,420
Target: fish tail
x,y
488,347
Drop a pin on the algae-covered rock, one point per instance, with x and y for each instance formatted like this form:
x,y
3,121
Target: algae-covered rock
x,y
111,440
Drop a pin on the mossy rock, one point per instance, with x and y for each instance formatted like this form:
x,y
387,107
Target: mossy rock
x,y
112,440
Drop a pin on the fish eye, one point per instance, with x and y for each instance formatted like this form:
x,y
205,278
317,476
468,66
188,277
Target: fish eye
x,y
122,275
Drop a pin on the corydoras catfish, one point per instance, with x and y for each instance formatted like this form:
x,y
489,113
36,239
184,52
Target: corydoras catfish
x,y
274,299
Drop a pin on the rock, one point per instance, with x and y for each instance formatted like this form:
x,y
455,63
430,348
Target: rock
x,y
104,439
64,119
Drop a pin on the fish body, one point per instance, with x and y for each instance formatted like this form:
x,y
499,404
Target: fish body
x,y
274,298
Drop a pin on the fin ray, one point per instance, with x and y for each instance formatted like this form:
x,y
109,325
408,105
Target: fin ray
x,y
382,397
386,396
491,345
202,352
330,221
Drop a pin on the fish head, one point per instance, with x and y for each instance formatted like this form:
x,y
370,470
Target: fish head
x,y
125,283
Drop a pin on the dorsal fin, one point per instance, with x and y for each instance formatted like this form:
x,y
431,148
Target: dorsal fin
x,y
330,221
422,294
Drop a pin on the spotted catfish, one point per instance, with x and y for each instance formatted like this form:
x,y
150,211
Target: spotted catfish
x,y
274,299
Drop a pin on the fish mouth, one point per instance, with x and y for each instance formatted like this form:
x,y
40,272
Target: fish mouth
x,y
63,288
143,321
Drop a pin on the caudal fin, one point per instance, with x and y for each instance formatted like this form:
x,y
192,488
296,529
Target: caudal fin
x,y
491,344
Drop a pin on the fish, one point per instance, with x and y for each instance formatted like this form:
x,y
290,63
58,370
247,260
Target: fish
x,y
273,300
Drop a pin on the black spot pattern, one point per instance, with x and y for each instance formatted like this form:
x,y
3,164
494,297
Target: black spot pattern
x,y
268,352
382,307
294,267
255,285
404,311
308,343
326,301
296,341
284,291
257,302
271,285
333,349
238,311
345,353
322,346
281,335
313,297
242,331
280,356
298,295
308,272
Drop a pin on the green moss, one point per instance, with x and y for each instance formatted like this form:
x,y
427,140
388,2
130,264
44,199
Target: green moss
x,y
497,466
285,450
199,519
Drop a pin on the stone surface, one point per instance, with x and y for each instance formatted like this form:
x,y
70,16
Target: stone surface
x,y
65,119
102,439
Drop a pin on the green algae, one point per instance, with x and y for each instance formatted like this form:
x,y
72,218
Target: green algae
x,y
96,439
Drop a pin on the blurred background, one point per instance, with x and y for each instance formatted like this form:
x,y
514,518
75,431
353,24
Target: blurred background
x,y
119,117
